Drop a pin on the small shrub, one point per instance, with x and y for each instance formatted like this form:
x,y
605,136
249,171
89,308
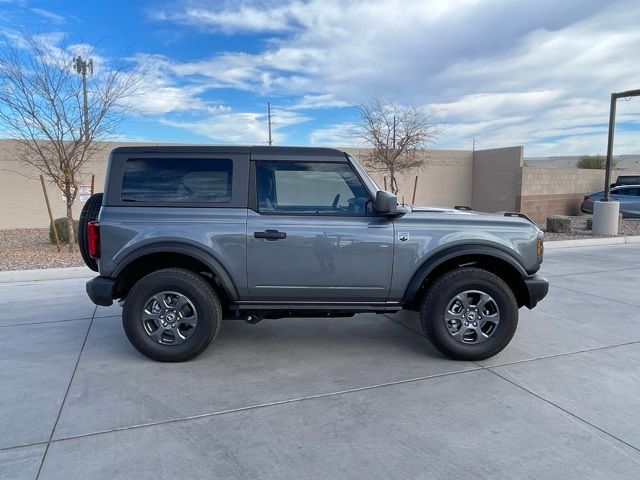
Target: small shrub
x,y
61,227
594,162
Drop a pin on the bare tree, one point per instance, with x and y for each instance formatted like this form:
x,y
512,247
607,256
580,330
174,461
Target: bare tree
x,y
42,104
396,134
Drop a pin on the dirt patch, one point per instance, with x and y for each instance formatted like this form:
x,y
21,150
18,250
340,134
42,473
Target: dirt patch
x,y
29,248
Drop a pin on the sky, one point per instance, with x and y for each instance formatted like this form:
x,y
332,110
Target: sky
x,y
537,73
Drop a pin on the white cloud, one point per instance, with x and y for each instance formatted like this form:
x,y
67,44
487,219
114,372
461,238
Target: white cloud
x,y
240,127
335,135
48,15
319,101
532,73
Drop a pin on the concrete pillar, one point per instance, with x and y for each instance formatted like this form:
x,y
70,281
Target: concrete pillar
x,y
605,218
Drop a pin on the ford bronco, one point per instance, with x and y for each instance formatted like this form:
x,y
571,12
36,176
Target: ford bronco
x,y
185,237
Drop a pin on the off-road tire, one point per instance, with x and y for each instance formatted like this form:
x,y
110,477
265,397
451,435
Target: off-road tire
x,y
89,213
449,285
185,282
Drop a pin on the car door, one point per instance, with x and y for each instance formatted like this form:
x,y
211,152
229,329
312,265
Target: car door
x,y
629,198
312,235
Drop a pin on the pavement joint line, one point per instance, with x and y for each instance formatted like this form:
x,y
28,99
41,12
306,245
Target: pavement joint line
x,y
47,322
66,393
594,295
264,405
404,326
526,360
563,410
479,367
322,395
589,273
564,354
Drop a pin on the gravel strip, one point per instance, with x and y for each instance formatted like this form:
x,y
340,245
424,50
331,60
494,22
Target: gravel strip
x,y
627,227
29,248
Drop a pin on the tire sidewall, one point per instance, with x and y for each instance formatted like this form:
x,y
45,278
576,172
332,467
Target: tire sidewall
x,y
204,301
505,330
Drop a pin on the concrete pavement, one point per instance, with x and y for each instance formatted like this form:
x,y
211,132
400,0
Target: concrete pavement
x,y
366,397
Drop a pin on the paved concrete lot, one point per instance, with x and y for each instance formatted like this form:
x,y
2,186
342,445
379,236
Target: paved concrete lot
x,y
366,397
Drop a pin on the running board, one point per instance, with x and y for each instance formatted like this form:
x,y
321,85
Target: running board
x,y
321,307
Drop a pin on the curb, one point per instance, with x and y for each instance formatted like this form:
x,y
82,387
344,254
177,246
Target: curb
x,y
45,274
590,242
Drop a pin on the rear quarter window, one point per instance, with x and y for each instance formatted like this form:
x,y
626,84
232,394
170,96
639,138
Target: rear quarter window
x,y
177,180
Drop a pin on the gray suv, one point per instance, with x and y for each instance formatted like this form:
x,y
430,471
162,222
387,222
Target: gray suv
x,y
185,237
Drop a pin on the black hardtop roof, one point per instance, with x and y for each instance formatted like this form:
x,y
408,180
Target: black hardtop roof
x,y
253,150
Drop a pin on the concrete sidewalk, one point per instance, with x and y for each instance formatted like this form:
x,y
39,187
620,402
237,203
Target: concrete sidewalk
x,y
365,397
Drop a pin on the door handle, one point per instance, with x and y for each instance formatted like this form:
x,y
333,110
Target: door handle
x,y
270,235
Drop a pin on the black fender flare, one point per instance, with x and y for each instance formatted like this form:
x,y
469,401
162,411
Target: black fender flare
x,y
438,258
185,249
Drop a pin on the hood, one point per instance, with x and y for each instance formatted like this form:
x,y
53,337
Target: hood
x,y
467,212
422,209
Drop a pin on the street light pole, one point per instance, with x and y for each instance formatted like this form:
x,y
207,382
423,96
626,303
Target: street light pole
x,y
82,66
605,212
612,128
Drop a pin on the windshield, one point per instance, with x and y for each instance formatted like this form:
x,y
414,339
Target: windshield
x,y
371,185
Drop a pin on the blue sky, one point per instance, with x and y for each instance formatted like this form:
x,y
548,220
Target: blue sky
x,y
537,74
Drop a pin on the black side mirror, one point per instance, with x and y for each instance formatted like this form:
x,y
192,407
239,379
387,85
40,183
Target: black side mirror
x,y
386,203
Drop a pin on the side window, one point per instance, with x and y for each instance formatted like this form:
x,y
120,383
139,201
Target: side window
x,y
310,187
177,180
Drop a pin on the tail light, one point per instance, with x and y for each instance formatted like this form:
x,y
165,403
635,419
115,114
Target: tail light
x,y
93,239
586,197
540,246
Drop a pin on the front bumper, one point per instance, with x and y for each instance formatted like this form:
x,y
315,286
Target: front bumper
x,y
100,290
538,287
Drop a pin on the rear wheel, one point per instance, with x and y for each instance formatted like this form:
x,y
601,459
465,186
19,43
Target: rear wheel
x,y
469,314
89,213
171,315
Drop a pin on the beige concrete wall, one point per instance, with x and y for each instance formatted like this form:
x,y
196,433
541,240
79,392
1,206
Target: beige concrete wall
x,y
559,191
445,180
22,203
497,179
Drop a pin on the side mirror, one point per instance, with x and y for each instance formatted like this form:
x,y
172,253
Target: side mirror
x,y
386,203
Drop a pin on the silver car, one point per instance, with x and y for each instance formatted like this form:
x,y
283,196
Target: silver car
x,y
628,196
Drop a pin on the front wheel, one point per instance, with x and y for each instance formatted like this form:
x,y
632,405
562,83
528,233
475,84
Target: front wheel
x,y
171,315
469,314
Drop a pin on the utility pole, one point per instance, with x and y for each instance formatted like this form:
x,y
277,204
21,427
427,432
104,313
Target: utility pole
x,y
269,115
394,132
474,144
83,66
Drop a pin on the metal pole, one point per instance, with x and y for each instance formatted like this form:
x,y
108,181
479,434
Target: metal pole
x,y
612,127
269,114
394,132
53,224
415,187
86,103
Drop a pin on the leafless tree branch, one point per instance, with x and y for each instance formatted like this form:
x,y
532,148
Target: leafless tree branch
x,y
396,134
41,107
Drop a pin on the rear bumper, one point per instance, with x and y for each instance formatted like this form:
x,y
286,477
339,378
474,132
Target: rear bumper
x,y
538,287
100,290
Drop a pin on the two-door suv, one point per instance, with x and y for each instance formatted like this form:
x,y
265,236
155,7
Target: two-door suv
x,y
185,237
